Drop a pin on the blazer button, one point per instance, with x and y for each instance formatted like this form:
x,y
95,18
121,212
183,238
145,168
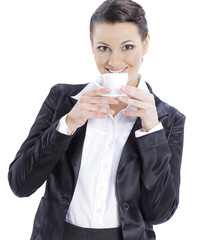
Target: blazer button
x,y
125,206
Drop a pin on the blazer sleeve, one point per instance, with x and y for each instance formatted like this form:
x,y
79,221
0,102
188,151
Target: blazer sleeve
x,y
161,154
40,152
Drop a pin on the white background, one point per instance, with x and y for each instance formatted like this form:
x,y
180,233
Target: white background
x,y
47,42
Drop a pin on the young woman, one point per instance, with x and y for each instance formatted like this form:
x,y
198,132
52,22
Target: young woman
x,y
111,165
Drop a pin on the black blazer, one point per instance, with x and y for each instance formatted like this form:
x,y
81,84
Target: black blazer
x,y
148,176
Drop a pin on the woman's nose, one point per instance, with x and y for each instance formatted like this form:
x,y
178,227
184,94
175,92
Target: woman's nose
x,y
115,60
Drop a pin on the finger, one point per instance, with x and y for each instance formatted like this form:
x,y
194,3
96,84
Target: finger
x,y
97,91
86,108
96,115
137,93
134,103
133,113
98,100
143,113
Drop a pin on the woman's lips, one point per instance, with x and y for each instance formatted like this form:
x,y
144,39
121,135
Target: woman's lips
x,y
120,70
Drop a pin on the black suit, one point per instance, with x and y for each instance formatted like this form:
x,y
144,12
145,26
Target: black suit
x,y
148,176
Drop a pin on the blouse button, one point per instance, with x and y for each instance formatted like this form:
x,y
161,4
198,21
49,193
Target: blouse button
x,y
105,167
125,206
99,211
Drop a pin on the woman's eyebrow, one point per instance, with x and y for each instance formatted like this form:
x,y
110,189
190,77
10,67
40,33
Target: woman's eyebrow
x,y
126,42
102,43
120,44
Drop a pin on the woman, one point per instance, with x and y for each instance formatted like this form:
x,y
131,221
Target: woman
x,y
111,165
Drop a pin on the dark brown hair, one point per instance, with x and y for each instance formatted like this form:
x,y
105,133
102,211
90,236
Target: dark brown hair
x,y
120,11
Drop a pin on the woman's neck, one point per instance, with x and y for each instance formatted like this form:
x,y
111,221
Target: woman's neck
x,y
134,82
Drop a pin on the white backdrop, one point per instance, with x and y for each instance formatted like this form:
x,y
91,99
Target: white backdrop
x,y
47,42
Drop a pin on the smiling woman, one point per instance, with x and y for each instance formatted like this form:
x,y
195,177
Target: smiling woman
x,y
118,47
111,164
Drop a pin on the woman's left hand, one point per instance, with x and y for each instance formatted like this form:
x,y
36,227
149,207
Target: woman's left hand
x,y
145,106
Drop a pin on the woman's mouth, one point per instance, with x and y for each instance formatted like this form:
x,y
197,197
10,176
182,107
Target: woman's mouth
x,y
116,70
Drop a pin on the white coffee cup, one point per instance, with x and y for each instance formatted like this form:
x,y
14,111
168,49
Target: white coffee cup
x,y
114,81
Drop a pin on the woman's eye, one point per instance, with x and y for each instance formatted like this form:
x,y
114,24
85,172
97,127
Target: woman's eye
x,y
103,48
128,47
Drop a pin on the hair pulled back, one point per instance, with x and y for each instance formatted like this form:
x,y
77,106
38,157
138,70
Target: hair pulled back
x,y
120,11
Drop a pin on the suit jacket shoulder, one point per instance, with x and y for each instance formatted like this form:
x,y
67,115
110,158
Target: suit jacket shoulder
x,y
68,90
165,109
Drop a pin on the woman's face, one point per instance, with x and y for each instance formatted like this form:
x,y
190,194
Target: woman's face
x,y
118,47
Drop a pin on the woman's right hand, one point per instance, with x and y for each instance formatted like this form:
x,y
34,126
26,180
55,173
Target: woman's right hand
x,y
88,107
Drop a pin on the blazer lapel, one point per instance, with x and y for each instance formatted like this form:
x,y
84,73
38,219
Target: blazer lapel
x,y
76,148
67,101
128,154
74,152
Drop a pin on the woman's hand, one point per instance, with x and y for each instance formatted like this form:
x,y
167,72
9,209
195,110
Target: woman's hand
x,y
145,104
88,107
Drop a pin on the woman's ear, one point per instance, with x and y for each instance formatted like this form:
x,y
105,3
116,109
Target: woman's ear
x,y
146,44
